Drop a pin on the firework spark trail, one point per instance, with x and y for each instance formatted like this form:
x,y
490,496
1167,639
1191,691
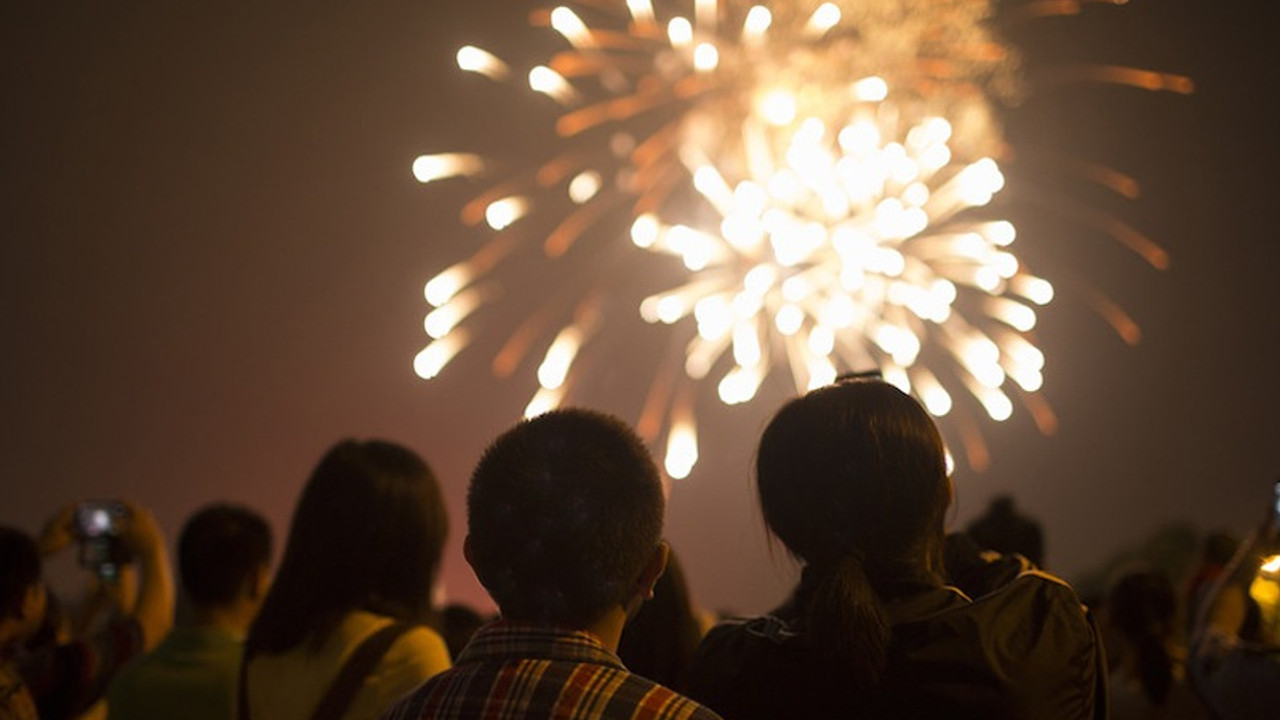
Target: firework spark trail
x,y
822,173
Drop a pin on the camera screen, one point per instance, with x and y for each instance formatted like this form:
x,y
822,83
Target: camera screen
x,y
98,522
99,518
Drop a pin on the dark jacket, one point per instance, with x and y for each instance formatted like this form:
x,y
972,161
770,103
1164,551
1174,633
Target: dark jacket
x,y
1026,650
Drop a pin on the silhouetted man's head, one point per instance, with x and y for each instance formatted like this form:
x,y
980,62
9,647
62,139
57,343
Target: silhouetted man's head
x,y
22,598
565,511
222,552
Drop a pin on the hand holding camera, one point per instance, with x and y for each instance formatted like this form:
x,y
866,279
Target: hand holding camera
x,y
117,535
110,534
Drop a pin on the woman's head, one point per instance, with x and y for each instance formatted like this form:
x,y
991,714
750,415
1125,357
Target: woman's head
x,y
856,468
367,534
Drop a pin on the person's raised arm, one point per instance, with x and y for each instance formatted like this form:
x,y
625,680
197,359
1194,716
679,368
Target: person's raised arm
x,y
59,532
154,608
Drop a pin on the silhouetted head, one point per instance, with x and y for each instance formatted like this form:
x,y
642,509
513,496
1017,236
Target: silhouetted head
x,y
19,571
367,534
564,512
855,468
1003,529
1142,603
223,550
1218,548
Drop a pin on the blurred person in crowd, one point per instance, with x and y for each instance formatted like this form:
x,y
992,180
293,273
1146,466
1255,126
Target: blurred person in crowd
x,y
457,624
565,532
852,479
659,642
1003,529
22,599
1148,674
224,563
343,630
1233,611
1235,658
65,677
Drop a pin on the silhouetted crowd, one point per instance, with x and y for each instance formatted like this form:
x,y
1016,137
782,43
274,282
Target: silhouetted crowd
x,y
891,618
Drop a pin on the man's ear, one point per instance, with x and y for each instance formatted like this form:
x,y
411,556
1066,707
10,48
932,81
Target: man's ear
x,y
653,569
466,551
642,588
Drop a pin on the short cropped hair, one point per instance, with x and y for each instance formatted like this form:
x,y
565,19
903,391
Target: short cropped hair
x,y
564,512
19,570
220,550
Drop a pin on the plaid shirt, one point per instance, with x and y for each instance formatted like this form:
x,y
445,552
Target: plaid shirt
x,y
515,672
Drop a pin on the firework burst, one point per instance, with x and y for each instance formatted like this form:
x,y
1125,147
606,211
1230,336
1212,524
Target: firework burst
x,y
821,172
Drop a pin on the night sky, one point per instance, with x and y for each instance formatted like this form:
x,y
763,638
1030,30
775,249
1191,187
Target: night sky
x,y
214,253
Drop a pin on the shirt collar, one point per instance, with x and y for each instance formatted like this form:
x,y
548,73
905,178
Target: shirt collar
x,y
504,640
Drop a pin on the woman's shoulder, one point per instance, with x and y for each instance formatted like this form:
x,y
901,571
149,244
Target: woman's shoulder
x,y
998,625
417,646
421,647
1031,591
416,655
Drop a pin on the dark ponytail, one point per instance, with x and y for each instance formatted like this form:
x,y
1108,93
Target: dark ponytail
x,y
846,620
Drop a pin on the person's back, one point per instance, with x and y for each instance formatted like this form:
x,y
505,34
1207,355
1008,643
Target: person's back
x,y
1236,676
949,657
191,674
224,556
522,672
291,685
565,519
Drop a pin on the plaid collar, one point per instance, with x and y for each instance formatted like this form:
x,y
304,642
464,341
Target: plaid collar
x,y
504,641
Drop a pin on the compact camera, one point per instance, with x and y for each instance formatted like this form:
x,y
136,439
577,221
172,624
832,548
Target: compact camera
x,y
98,524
